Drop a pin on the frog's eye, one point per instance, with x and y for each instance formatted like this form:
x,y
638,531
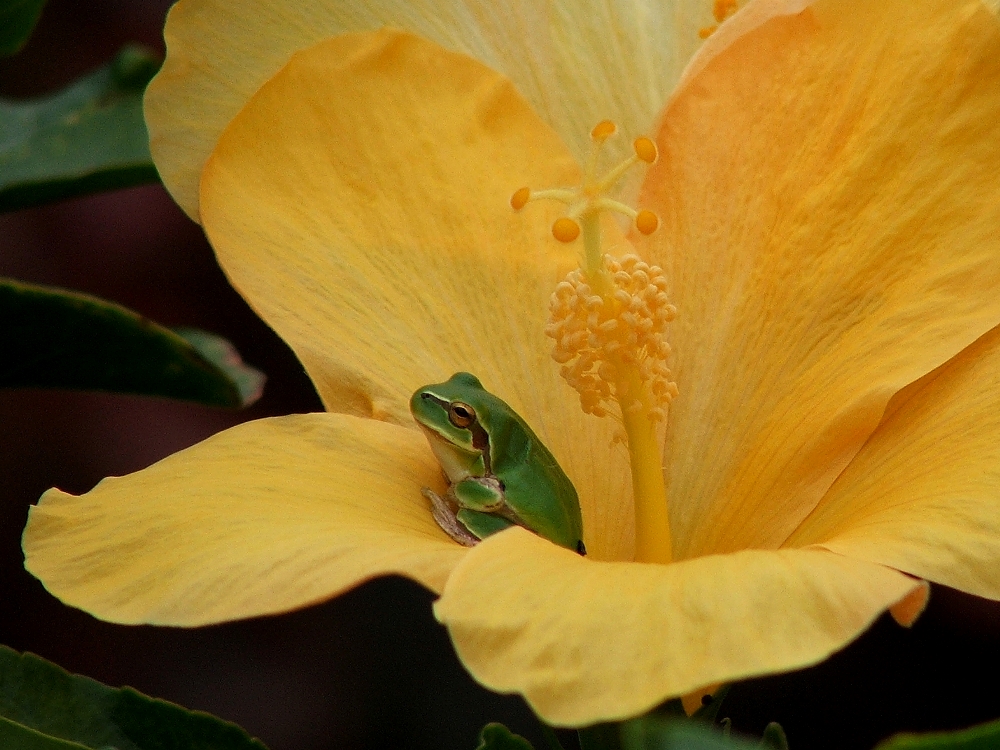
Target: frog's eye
x,y
461,415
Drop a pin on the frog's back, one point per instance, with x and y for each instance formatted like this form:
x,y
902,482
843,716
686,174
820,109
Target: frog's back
x,y
535,484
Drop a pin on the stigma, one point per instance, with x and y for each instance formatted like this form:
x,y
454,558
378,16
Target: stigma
x,y
592,197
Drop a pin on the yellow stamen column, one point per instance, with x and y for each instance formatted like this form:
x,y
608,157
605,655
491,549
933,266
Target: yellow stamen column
x,y
608,320
652,523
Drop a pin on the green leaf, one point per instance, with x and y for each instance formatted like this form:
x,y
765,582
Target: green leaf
x,y
43,707
17,737
498,737
658,733
709,712
83,139
774,737
17,21
52,338
981,737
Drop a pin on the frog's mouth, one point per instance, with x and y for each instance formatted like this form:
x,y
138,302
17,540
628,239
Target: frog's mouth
x,y
477,455
457,462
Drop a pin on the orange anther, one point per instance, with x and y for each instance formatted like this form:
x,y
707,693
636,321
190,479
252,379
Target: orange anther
x,y
565,229
646,222
520,198
603,130
723,9
706,32
645,149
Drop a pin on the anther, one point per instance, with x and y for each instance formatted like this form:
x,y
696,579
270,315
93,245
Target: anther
x,y
603,130
565,229
645,149
646,221
723,9
520,198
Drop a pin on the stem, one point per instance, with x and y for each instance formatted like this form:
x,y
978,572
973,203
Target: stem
x,y
652,522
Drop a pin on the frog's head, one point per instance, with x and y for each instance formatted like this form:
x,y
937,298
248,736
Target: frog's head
x,y
449,414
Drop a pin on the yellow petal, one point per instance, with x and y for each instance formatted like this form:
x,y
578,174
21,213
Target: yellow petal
x,y
829,208
587,641
923,494
265,517
577,62
360,202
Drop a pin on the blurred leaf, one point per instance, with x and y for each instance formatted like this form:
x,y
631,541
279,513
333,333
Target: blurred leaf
x,y
981,737
16,737
774,737
605,736
52,338
83,139
497,737
17,21
658,733
709,712
43,707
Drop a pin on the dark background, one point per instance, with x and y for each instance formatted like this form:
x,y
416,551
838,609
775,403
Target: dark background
x,y
371,669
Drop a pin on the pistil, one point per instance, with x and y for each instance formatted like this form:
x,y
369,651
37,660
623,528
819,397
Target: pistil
x,y
609,320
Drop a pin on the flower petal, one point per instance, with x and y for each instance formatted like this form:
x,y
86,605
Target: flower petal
x,y
587,641
923,494
360,202
829,206
576,61
265,517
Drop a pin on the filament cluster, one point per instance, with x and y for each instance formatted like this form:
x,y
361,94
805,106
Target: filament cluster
x,y
612,345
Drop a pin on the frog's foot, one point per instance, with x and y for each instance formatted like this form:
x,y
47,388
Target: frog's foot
x,y
483,524
446,519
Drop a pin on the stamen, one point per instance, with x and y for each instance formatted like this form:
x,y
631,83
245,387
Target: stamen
x,y
723,9
646,222
645,149
612,347
609,320
565,229
520,198
603,130
590,330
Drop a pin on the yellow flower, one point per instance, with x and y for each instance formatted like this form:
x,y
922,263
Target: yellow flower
x,y
829,214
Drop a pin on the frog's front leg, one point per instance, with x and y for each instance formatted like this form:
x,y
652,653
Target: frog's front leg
x,y
483,494
446,519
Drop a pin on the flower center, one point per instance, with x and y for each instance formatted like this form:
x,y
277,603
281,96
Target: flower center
x,y
609,321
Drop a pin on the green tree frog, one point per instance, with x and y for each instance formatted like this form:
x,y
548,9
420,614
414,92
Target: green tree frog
x,y
499,472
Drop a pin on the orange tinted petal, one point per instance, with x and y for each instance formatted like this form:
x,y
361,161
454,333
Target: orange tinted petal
x,y
923,494
827,193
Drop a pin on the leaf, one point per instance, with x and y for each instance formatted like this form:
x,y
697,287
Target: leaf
x,y
88,137
52,338
497,737
44,707
709,712
774,737
980,737
17,737
17,21
658,733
